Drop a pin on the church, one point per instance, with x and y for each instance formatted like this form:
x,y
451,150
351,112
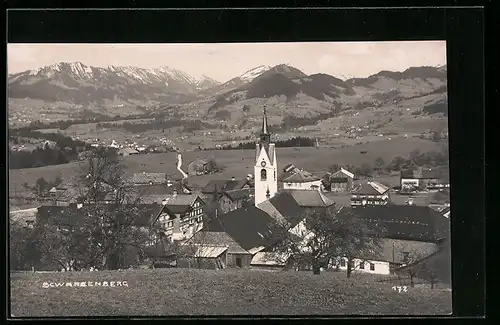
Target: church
x,y
266,165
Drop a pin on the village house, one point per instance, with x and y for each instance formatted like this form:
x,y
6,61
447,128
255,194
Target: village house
x,y
181,216
408,233
425,179
370,193
340,181
127,152
218,186
199,167
232,200
248,226
234,254
302,180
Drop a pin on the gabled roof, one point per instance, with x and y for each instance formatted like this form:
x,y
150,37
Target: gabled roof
x,y
235,195
406,222
178,204
288,167
216,238
208,251
269,259
128,150
148,178
248,226
371,188
308,198
224,185
301,176
288,207
341,172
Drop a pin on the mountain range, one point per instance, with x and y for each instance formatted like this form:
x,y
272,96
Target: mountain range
x,y
83,85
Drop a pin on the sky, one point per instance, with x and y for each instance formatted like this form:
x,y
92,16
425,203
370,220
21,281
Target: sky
x,y
223,61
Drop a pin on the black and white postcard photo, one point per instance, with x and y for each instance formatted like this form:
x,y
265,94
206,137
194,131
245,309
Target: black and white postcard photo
x,y
277,178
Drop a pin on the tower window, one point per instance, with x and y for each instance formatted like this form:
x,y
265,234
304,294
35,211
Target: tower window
x,y
263,175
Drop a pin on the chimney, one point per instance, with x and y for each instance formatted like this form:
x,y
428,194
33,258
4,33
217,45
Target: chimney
x,y
233,179
79,205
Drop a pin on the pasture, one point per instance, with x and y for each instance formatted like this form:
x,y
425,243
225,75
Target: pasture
x,y
229,292
239,163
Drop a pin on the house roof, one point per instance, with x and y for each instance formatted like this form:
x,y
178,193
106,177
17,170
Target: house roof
x,y
128,150
406,222
224,185
248,226
301,176
217,238
238,194
148,178
288,207
387,254
308,198
208,251
288,167
341,172
269,259
441,173
439,262
178,204
371,188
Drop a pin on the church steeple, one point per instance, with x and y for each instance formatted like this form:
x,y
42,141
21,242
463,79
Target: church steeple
x,y
265,136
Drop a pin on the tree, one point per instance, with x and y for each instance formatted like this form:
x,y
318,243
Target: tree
x,y
246,108
379,164
413,257
41,186
364,170
323,236
18,252
103,229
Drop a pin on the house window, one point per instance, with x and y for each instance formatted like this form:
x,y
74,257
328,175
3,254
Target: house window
x,y
406,257
362,265
274,175
372,267
263,175
342,262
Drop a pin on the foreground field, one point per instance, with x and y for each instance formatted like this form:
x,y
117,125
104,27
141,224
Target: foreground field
x,y
228,292
239,163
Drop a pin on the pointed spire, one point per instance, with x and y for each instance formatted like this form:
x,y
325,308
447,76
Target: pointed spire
x,y
265,129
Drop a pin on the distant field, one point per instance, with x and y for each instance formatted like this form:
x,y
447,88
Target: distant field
x,y
239,163
229,292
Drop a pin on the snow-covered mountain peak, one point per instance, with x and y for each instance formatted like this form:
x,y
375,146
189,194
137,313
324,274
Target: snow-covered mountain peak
x,y
254,73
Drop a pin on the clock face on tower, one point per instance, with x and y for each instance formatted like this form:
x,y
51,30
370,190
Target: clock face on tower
x,y
263,164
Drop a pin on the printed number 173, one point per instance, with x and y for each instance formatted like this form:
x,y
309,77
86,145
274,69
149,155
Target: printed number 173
x,y
400,289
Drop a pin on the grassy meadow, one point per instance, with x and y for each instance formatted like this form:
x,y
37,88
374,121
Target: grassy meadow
x,y
239,163
229,292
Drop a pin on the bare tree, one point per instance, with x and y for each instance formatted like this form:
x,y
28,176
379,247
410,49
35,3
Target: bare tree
x,y
324,235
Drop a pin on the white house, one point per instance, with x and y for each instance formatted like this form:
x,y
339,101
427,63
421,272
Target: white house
x,y
302,180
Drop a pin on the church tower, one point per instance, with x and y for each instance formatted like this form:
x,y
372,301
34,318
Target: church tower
x,y
266,165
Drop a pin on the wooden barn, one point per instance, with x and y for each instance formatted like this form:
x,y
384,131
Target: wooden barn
x,y
340,181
